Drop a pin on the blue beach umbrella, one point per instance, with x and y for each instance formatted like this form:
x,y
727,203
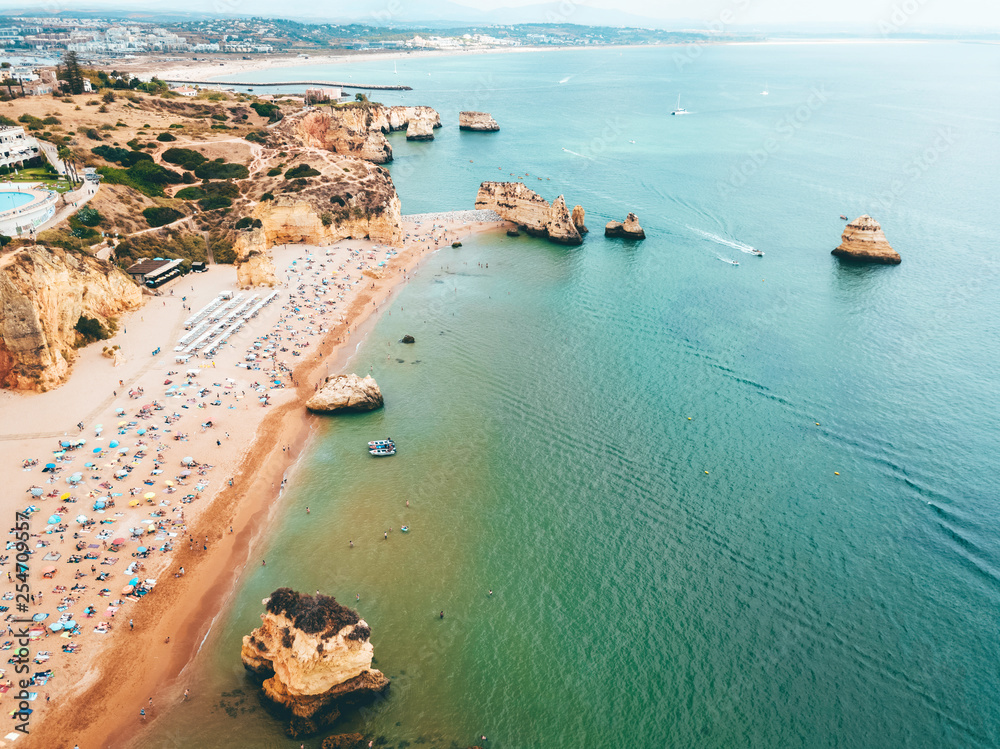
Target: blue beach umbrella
x,y
114,443
63,444
39,617
133,581
55,626
53,519
96,450
50,465
141,549
140,432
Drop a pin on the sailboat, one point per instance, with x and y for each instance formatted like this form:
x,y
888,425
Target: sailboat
x,y
679,110
394,71
765,91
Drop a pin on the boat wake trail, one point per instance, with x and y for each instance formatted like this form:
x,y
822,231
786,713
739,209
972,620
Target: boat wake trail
x,y
582,156
727,260
734,244
566,79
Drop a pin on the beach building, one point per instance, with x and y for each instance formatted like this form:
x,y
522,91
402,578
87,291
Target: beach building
x,y
185,91
153,272
16,147
332,93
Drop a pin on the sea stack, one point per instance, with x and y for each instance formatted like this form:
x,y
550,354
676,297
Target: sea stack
x,y
346,392
864,241
629,230
579,217
529,211
420,128
480,122
315,656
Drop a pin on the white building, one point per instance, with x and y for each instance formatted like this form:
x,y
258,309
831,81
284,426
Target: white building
x,y
16,147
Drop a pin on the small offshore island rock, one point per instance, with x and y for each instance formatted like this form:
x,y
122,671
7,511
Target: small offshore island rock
x,y
481,122
408,339
316,657
347,392
629,230
863,240
579,216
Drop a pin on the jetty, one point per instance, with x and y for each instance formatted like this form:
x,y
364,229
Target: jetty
x,y
371,87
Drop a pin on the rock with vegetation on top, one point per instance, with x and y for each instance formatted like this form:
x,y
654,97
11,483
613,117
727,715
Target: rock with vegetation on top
x,y
529,210
315,656
629,230
481,122
52,301
346,392
863,240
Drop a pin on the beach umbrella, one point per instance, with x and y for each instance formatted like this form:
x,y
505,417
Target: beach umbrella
x,y
39,617
149,495
123,450
64,444
70,624
185,473
127,589
118,542
88,465
50,465
55,626
133,581
140,432
168,482
80,443
150,528
100,504
133,503
65,495
121,474
113,443
187,461
81,519
96,450
37,491
141,549
53,519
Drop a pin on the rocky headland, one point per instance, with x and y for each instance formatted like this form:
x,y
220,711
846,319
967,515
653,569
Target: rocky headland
x,y
481,122
360,129
864,241
315,656
45,295
346,392
629,229
530,211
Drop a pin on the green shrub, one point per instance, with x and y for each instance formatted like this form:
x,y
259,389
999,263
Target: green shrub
x,y
121,156
144,176
165,137
93,134
190,193
274,172
212,202
267,109
244,223
183,157
220,169
161,215
219,117
302,170
51,121
256,136
267,196
174,125
91,329
88,216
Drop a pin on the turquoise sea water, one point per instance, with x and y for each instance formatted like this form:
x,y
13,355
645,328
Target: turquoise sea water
x,y
635,445
11,200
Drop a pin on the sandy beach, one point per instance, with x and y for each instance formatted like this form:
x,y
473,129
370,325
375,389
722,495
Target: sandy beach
x,y
118,622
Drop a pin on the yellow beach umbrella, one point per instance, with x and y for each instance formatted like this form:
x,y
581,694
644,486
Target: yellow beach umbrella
x,y
168,482
149,495
133,503
65,496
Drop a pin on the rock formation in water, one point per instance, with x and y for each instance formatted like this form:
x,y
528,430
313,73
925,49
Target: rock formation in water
x,y
399,118
477,121
864,241
346,392
315,656
526,208
420,128
579,217
408,339
629,230
44,292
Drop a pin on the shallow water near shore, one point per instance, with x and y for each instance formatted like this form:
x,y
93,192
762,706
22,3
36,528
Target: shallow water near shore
x,y
635,446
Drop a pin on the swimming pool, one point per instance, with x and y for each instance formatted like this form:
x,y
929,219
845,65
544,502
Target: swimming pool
x,y
9,200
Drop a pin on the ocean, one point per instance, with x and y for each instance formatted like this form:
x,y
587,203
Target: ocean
x,y
717,505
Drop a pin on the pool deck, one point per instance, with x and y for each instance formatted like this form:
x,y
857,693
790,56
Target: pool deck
x,y
43,211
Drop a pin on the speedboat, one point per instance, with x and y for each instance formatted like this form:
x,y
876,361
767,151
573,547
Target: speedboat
x,y
758,253
382,452
843,217
380,444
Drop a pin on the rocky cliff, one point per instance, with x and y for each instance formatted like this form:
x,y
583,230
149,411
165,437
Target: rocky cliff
x,y
352,131
863,240
346,392
420,128
630,229
254,265
315,656
515,202
477,121
400,117
43,293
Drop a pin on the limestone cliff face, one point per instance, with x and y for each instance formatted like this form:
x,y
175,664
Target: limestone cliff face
x,y
291,220
352,131
516,203
316,658
579,217
477,121
43,293
400,117
864,240
254,265
630,229
347,392
420,128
